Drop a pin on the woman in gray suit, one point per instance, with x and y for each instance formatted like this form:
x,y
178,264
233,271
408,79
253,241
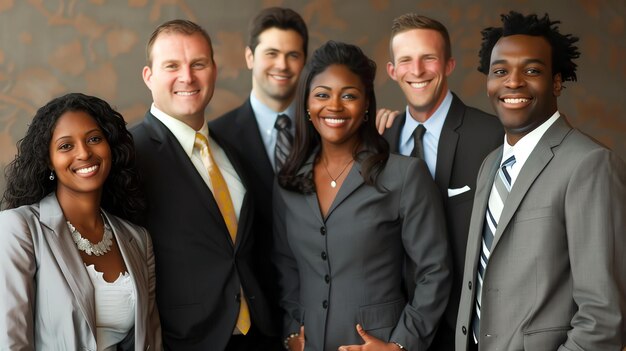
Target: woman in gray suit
x,y
347,213
76,274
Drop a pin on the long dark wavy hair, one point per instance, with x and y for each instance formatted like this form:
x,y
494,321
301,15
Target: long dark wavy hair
x,y
28,174
372,151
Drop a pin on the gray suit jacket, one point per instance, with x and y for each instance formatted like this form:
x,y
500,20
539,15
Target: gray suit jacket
x,y
556,277
345,269
48,299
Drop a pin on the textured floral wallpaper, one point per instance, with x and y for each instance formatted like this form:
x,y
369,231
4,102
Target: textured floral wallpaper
x,y
51,47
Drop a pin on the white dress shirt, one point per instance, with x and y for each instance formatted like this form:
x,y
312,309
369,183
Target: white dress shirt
x,y
186,137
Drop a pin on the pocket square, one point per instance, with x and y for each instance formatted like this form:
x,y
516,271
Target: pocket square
x,y
458,191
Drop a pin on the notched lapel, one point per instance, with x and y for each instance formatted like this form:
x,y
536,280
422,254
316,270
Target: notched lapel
x,y
446,149
353,181
67,256
536,162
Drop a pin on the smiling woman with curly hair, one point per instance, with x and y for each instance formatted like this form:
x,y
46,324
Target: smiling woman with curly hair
x,y
78,274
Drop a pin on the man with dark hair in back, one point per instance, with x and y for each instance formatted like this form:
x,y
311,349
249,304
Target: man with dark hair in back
x,y
545,267
261,130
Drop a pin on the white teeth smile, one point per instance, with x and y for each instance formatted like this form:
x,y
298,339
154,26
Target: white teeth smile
x,y
87,170
335,120
419,85
187,93
516,101
279,77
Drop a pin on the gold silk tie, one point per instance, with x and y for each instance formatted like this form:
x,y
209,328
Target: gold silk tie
x,y
225,204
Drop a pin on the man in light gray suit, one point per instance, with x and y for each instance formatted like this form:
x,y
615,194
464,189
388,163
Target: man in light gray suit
x,y
545,266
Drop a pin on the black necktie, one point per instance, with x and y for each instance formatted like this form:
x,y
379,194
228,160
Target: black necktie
x,y
284,141
418,146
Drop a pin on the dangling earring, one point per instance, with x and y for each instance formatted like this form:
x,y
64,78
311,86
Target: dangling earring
x,y
308,114
51,175
367,116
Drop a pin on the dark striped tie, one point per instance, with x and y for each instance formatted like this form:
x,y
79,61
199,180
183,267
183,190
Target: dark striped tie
x,y
497,199
418,146
284,141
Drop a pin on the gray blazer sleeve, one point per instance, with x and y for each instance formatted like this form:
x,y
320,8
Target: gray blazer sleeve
x,y
17,270
595,210
424,239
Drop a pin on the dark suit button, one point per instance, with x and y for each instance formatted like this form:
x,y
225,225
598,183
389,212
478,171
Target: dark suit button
x,y
323,255
238,297
325,304
464,330
323,230
327,278
469,285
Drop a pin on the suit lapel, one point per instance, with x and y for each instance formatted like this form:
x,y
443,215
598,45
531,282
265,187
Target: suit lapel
x,y
67,256
245,206
249,132
134,260
447,145
173,154
353,180
536,162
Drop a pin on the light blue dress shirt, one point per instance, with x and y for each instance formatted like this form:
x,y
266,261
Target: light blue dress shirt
x,y
265,119
433,125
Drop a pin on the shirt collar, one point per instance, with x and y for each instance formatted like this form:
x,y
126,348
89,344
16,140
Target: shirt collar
x,y
185,135
266,117
433,125
525,146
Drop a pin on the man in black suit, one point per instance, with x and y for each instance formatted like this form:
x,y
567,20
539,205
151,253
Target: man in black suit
x,y
207,291
454,143
276,54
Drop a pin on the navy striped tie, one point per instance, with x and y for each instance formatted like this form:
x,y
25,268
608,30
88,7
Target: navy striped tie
x,y
497,199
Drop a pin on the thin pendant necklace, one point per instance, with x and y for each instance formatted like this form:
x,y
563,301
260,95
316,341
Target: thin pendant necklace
x,y
333,182
86,246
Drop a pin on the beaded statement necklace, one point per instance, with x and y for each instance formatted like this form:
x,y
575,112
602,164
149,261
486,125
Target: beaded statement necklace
x,y
87,246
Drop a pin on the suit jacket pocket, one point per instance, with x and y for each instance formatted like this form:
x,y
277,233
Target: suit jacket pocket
x,y
529,214
547,339
382,315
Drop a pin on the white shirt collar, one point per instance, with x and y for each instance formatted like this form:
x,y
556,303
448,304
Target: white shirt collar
x,y
185,135
433,125
525,146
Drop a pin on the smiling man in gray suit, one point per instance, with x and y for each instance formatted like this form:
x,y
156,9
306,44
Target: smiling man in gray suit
x,y
545,266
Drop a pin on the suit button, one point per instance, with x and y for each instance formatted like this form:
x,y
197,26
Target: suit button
x,y
323,255
327,278
323,230
325,304
469,285
464,330
238,297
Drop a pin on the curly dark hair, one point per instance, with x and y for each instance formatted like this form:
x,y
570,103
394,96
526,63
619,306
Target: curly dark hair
x,y
563,50
27,175
373,149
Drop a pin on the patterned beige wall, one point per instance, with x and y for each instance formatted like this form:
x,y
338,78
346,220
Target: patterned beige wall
x,y
51,47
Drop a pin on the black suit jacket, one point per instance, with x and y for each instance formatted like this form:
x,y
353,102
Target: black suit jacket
x,y
198,270
239,128
467,137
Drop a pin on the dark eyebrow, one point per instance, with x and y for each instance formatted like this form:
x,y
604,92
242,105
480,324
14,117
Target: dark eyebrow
x,y
526,62
86,133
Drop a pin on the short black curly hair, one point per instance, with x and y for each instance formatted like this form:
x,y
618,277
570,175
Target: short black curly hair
x,y
28,174
563,49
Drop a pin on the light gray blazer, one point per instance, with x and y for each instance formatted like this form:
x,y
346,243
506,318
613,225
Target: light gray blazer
x,y
47,300
556,278
346,268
